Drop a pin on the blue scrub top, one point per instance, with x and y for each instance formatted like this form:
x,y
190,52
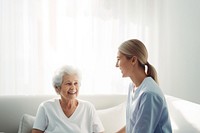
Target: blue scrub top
x,y
147,110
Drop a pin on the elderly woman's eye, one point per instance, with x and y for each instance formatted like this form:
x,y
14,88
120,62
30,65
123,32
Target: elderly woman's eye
x,y
76,83
68,83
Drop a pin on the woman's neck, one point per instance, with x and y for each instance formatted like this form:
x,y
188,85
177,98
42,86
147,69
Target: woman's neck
x,y
138,77
68,104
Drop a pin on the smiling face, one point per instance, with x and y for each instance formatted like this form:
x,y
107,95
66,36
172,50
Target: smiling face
x,y
70,87
124,64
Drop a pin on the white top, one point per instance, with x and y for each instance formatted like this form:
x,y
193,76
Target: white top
x,y
50,118
147,110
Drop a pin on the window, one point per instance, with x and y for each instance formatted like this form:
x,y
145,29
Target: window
x,y
38,36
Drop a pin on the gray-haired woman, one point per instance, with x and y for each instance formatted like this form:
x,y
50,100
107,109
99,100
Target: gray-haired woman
x,y
67,114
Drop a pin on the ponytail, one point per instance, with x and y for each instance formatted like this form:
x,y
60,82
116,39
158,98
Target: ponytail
x,y
151,72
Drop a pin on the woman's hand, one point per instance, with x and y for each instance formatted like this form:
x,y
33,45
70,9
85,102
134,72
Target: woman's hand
x,y
37,131
122,130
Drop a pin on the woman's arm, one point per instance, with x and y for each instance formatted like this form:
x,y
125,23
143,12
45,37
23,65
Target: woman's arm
x,y
37,131
149,113
122,130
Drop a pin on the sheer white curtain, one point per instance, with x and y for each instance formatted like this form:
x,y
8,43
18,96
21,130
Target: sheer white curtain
x,y
38,36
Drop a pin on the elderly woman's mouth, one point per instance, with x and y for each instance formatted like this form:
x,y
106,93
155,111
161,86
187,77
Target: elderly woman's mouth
x,y
71,92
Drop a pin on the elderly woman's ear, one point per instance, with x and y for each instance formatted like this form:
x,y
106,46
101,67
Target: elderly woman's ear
x,y
57,89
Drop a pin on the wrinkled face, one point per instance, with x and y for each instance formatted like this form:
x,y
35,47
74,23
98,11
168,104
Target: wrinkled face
x,y
70,87
124,64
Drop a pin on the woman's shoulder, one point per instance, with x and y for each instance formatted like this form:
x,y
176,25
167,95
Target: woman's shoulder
x,y
151,86
85,103
152,95
50,102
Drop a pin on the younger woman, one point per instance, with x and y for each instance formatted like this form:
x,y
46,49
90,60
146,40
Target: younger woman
x,y
147,110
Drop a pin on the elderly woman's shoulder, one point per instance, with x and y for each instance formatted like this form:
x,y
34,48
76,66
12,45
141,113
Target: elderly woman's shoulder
x,y
48,102
85,103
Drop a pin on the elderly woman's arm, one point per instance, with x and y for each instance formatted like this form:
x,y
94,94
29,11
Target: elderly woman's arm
x,y
122,130
37,131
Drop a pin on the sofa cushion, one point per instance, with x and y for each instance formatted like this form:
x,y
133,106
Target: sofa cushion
x,y
113,118
26,123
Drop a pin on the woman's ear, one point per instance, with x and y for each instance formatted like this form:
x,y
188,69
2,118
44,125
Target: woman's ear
x,y
133,60
57,89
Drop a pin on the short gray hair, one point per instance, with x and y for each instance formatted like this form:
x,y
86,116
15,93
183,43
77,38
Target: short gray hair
x,y
65,70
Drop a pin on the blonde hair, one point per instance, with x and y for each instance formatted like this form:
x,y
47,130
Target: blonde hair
x,y
135,47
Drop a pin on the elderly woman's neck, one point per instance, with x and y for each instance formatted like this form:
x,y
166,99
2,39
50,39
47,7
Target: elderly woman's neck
x,y
71,103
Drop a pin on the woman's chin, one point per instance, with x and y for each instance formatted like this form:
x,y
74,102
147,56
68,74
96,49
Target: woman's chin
x,y
124,76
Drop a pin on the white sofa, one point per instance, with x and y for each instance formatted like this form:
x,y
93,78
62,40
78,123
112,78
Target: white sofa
x,y
17,112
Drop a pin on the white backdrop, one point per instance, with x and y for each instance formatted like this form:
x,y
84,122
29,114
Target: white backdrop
x,y
38,36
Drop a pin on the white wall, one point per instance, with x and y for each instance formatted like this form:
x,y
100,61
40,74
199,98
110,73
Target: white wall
x,y
179,63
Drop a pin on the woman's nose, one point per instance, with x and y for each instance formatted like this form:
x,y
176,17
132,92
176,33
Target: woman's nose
x,y
73,86
116,65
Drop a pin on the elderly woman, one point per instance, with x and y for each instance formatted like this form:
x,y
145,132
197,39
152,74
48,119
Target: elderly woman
x,y
67,114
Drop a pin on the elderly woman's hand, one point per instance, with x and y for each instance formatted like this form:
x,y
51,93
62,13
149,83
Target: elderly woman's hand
x,y
122,130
